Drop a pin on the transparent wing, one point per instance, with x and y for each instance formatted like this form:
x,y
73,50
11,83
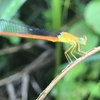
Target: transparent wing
x,y
11,26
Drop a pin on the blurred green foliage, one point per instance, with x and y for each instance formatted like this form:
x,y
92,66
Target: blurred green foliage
x,y
92,16
75,16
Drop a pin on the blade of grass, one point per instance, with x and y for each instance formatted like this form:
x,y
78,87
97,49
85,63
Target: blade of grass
x,y
9,7
95,91
65,9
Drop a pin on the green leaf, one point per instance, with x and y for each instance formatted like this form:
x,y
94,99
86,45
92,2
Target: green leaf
x,y
92,15
9,7
13,40
80,28
94,89
75,72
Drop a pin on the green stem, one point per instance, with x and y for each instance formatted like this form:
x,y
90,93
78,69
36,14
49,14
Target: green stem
x,y
56,24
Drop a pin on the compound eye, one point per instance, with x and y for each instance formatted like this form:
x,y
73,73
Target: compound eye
x,y
81,39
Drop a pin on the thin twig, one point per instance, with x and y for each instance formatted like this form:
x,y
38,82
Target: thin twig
x,y
27,69
25,84
65,71
10,50
11,91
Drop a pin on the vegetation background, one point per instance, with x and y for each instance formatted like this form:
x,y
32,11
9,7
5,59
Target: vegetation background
x,y
77,17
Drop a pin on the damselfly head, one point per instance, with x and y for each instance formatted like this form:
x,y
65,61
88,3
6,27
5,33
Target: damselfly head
x,y
82,40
